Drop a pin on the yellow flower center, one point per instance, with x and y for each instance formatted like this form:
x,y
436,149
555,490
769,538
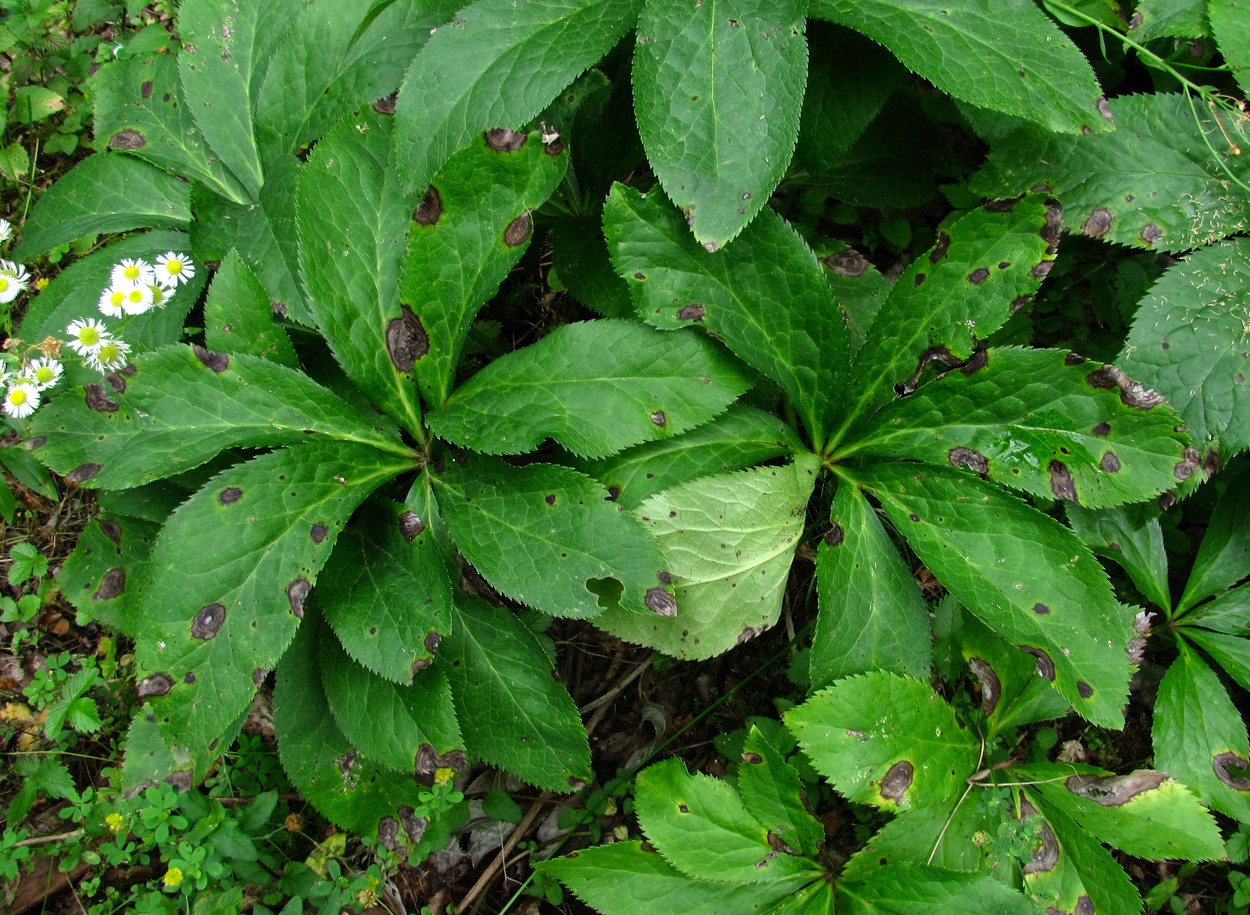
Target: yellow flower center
x,y
18,396
174,267
131,272
88,336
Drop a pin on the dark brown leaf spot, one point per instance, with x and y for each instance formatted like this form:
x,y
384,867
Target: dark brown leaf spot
x,y
258,677
692,312
111,585
188,677
1132,393
752,759
933,354
1114,790
230,495
430,209
913,517
414,825
37,442
660,602
297,592
1167,501
388,832
112,530
1046,855
682,808
218,362
97,400
659,419
1061,481
1097,224
1109,462
849,263
1084,689
1102,430
978,360
836,535
181,780
411,526
318,532
1052,227
1020,301
897,780
979,276
1150,233
1222,763
500,139
1185,468
82,473
432,640
127,139
1041,270
116,382
920,278
155,685
518,231
991,688
614,492
427,762
207,621
1103,108
1003,204
966,457
406,340
1084,906
1045,666
550,498
1041,609
146,89
664,577
386,104
939,250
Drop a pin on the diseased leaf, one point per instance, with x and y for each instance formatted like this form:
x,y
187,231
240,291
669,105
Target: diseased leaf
x,y
1027,576
386,593
229,578
768,300
771,790
547,536
1008,57
104,193
702,828
1131,537
522,719
468,78
872,615
1153,183
717,91
728,542
1050,424
885,740
904,889
470,228
646,384
238,317
105,576
1230,23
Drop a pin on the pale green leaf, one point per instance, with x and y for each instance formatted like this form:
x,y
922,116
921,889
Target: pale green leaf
x,y
1200,736
1153,183
702,828
717,91
1224,557
107,192
517,715
106,575
771,790
1026,575
768,299
728,541
1230,23
386,594
1170,18
1131,537
904,889
1042,421
1007,56
1189,342
471,227
547,536
497,65
181,406
872,615
740,437
229,578
595,387
238,317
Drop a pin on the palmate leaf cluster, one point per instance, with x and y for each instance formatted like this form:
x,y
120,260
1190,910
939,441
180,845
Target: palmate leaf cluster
x,y
329,478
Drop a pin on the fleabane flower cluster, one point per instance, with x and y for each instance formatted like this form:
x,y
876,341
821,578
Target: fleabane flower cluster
x,y
24,386
136,287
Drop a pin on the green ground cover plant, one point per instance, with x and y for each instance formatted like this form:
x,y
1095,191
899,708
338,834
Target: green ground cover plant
x,y
809,251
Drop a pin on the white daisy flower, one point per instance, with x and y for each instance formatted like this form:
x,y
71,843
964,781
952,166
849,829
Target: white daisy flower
x,y
173,268
13,279
138,299
133,271
45,372
21,399
110,356
86,336
6,230
113,302
161,294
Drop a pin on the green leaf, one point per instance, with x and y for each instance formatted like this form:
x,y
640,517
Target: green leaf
x,y
595,387
1026,575
768,300
1171,18
859,289
1229,613
1042,421
105,576
400,727
740,437
1131,537
941,835
1231,652
1230,23
1187,342
385,592
717,91
581,261
1153,183
230,574
547,536
140,109
872,615
1224,557
702,828
328,771
181,406
32,104
238,317
1145,813
624,878
498,65
771,790
352,223
885,740
104,193
1200,736
518,716
1010,57
905,889
985,264
8,502
226,49
728,542
264,233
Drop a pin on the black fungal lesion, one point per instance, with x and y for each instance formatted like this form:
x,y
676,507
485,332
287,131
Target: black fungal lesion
x,y
128,139
979,276
97,400
661,602
503,140
208,621
111,585
230,495
897,780
430,209
836,535
1102,430
1084,689
970,459
386,104
938,354
297,592
406,340
518,231
692,312
82,473
939,250
1061,482
111,529
411,526
550,499
218,362
159,684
